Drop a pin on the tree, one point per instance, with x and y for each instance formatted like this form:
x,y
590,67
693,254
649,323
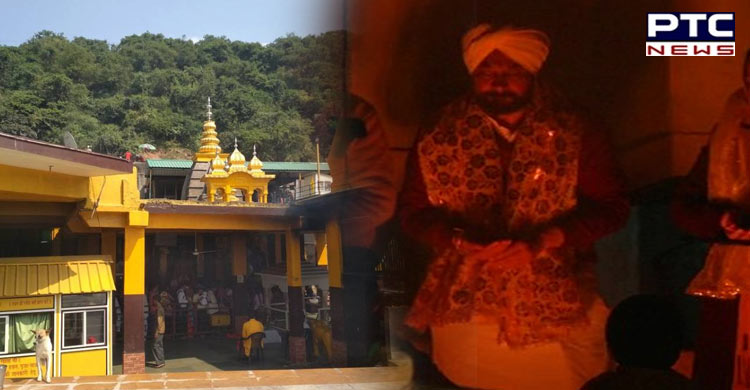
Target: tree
x,y
148,88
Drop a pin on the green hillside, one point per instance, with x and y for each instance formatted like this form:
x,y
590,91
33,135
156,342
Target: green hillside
x,y
152,89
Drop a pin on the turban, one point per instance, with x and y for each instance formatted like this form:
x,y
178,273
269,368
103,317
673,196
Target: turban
x,y
528,48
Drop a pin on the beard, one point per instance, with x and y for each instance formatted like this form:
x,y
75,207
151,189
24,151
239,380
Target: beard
x,y
503,103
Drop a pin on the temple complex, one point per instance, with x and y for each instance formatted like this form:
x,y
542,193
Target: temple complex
x,y
219,229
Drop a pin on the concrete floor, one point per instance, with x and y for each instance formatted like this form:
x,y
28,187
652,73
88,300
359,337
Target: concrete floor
x,y
212,363
370,378
216,353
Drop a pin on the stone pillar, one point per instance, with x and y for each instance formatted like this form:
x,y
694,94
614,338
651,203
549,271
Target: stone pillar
x,y
297,347
335,268
133,357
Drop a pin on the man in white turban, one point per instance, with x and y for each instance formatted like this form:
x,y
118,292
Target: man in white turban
x,y
510,189
527,48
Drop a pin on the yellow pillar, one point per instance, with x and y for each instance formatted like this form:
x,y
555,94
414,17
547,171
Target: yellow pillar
x,y
134,358
239,254
297,349
335,253
293,260
135,260
211,193
335,257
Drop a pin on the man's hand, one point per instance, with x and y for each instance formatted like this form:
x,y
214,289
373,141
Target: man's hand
x,y
518,254
509,253
491,251
549,238
729,224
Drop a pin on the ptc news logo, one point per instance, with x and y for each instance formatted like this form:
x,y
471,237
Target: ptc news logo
x,y
690,34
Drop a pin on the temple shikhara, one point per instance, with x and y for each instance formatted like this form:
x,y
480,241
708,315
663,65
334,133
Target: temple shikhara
x,y
229,179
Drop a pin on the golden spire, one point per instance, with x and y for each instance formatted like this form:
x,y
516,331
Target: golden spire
x,y
209,140
236,160
255,164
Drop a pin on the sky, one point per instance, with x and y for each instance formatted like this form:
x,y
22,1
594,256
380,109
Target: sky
x,y
245,20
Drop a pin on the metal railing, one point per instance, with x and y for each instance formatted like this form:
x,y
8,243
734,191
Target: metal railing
x,y
319,188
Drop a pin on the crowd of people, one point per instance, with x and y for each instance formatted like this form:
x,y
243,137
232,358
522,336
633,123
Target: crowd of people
x,y
184,306
185,303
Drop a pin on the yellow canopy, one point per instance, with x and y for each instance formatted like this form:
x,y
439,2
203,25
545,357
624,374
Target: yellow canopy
x,y
30,276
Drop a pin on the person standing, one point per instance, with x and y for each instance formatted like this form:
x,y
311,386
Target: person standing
x,y
509,191
158,345
157,348
712,203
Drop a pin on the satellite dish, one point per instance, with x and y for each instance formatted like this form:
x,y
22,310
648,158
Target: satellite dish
x,y
69,141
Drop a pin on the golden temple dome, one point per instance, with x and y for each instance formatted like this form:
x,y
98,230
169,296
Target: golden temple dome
x,y
217,166
255,163
236,160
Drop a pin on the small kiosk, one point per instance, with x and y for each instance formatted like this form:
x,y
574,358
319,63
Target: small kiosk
x,y
71,296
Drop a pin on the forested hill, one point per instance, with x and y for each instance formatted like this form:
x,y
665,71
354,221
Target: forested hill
x,y
152,89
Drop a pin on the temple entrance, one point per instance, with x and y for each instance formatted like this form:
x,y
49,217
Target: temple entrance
x,y
208,284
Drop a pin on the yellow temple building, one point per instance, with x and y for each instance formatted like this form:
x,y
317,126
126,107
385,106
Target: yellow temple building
x,y
222,186
83,217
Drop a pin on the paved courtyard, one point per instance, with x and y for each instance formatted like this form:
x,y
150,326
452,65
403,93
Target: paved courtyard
x,y
209,354
369,378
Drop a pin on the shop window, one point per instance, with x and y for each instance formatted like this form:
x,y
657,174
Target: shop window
x,y
83,328
83,300
17,331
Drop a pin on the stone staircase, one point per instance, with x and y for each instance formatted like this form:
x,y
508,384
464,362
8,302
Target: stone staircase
x,y
194,188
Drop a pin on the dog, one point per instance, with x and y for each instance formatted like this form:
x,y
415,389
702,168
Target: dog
x,y
43,348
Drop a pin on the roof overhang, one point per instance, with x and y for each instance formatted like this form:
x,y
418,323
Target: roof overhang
x,y
37,155
33,276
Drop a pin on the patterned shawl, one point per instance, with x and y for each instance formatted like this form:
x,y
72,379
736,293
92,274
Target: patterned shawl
x,y
464,173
